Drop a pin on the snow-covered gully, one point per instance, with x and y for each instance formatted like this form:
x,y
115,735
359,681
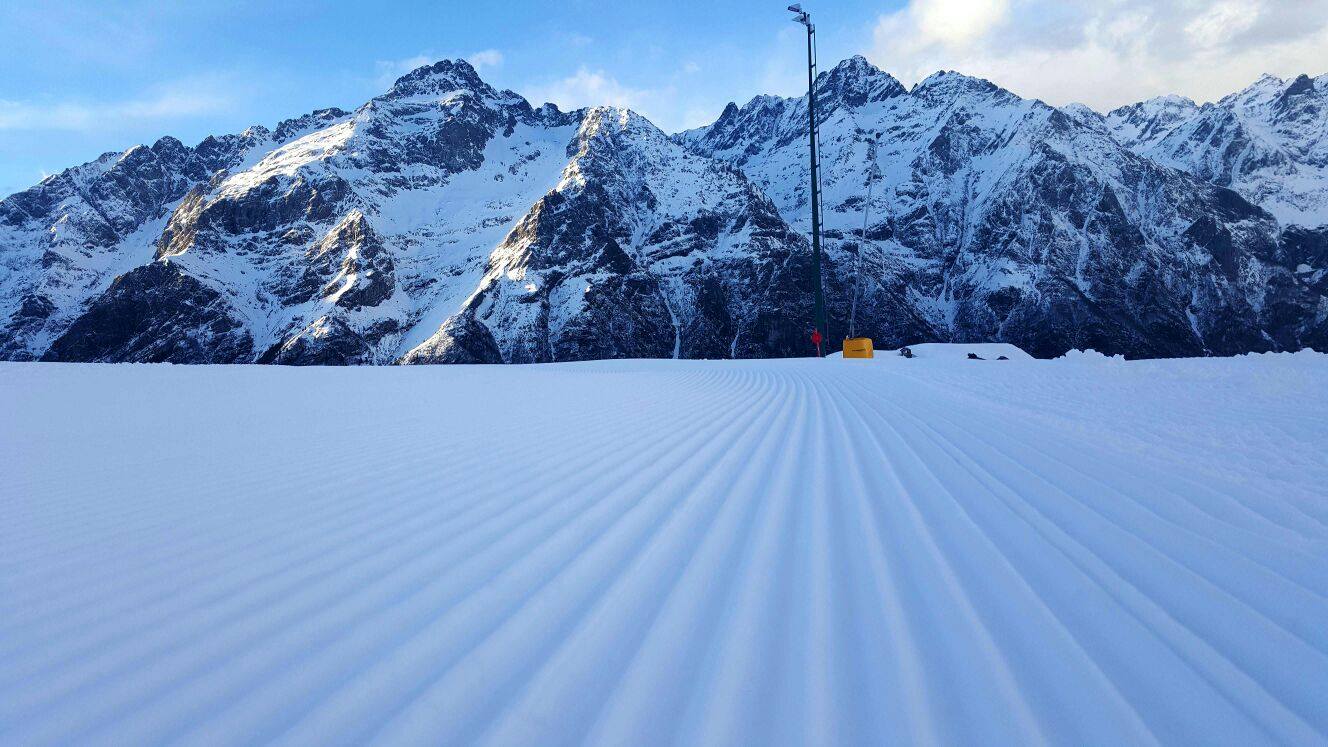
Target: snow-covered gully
x,y
835,552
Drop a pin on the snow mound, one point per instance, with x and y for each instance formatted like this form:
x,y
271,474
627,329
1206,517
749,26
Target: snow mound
x,y
658,552
1091,356
946,351
961,351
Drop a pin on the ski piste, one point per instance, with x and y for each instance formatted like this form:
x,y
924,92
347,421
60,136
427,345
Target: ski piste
x,y
899,550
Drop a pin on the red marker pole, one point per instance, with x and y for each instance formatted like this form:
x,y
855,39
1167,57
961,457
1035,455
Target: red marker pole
x,y
816,340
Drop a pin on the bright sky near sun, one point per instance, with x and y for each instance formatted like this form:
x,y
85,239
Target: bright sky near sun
x,y
81,77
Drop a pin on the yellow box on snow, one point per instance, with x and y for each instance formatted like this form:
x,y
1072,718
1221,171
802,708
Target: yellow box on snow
x,y
859,347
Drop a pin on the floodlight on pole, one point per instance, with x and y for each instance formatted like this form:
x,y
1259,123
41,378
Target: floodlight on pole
x,y
821,329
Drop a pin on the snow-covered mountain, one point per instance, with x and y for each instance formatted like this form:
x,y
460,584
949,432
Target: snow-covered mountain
x,y
443,221
1000,218
1140,126
1268,142
446,221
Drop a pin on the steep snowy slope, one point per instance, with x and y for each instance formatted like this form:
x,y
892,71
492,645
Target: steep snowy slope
x,y
999,218
1268,142
642,251
934,551
1141,126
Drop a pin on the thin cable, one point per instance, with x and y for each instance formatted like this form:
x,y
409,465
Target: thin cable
x,y
862,243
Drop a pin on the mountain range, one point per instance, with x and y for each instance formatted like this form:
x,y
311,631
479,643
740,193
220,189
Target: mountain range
x,y
449,222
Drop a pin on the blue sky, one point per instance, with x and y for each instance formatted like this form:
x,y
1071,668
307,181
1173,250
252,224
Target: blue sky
x,y
82,78
78,77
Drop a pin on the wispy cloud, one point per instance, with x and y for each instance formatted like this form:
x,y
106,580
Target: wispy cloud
x,y
589,87
1106,54
485,60
386,72
662,104
108,115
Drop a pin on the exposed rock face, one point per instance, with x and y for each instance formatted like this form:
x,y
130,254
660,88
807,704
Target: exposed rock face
x,y
328,341
461,339
156,314
63,241
351,265
448,222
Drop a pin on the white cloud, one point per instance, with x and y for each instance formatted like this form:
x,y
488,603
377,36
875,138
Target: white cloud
x,y
489,58
957,21
386,72
102,115
593,88
1220,23
784,68
1106,53
588,87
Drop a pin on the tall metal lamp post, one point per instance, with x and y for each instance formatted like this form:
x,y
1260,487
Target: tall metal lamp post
x,y
821,331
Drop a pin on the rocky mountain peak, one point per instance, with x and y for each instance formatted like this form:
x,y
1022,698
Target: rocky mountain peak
x,y
1084,115
1265,81
1301,92
613,121
1169,102
169,147
612,145
1269,90
440,78
1301,85
729,114
855,82
1149,121
950,84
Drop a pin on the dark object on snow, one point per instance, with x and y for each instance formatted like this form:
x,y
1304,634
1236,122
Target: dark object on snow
x,y
1002,358
975,357
906,352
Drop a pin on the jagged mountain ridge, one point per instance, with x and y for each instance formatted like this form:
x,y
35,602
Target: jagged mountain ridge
x,y
1001,218
446,221
424,217
1269,142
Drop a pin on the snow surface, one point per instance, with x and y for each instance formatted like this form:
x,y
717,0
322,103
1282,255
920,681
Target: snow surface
x,y
937,550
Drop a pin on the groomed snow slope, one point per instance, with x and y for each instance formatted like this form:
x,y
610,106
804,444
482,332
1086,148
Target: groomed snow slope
x,y
1081,551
